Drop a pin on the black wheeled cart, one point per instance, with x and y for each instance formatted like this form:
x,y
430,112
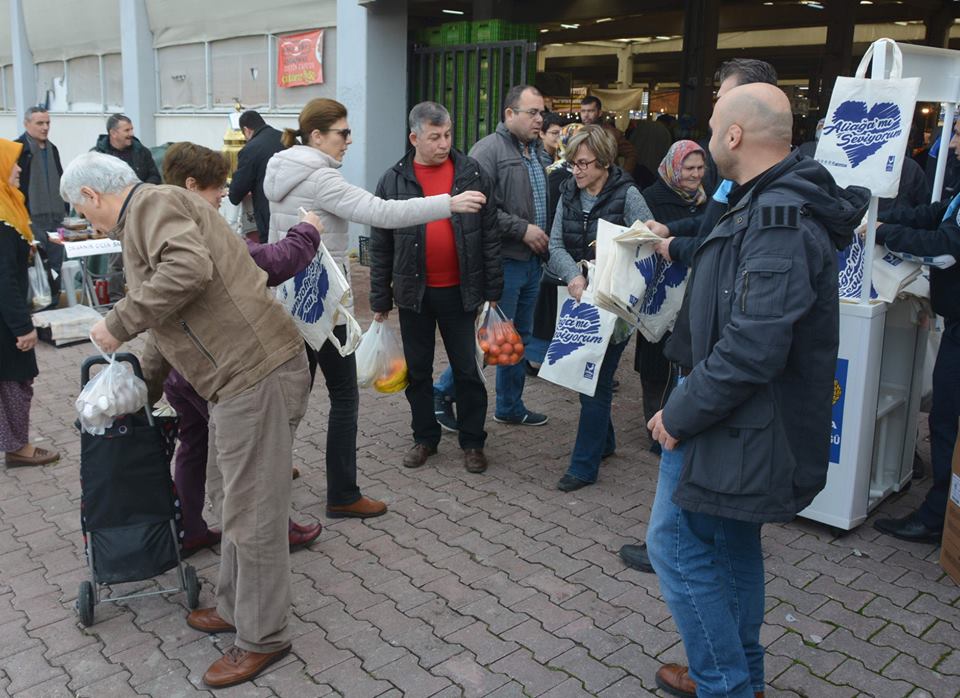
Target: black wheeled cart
x,y
129,508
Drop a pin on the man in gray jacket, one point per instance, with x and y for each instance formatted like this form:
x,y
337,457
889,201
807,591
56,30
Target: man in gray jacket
x,y
746,434
510,158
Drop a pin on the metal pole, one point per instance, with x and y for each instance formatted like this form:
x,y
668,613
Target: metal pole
x,y
949,111
877,72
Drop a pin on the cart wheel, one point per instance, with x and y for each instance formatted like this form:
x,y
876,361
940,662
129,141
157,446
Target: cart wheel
x,y
192,586
85,603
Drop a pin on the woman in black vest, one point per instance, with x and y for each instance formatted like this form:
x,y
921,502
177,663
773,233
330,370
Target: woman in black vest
x,y
677,193
598,189
18,361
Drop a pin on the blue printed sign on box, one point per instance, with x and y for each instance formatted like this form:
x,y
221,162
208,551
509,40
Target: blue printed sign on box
x,y
839,394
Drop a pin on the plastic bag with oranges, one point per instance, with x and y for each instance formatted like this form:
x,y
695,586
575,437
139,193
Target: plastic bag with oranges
x,y
499,340
387,354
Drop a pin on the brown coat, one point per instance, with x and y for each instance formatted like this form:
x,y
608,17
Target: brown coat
x,y
192,283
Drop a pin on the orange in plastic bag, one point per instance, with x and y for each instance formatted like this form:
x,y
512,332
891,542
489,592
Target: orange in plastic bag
x,y
499,340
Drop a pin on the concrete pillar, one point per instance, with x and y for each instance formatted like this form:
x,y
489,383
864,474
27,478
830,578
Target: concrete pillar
x,y
372,84
938,24
24,73
701,26
625,67
139,70
840,16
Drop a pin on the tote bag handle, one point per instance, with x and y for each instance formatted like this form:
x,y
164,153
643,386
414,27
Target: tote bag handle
x,y
896,70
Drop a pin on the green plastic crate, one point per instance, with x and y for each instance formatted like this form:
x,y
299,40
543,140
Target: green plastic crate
x,y
456,33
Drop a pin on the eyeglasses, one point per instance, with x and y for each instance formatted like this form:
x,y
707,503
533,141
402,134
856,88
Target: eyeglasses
x,y
344,132
532,113
582,164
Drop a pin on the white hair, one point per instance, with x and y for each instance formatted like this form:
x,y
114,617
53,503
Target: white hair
x,y
103,173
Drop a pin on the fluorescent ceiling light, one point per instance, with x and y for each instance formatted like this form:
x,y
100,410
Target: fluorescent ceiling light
x,y
453,12
604,19
663,38
569,26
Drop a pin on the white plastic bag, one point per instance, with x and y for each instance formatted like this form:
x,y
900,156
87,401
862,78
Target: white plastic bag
x,y
40,295
391,374
318,298
114,391
366,355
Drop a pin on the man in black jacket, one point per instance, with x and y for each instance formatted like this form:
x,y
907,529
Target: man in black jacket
x,y
40,171
262,143
438,274
120,142
931,231
681,239
746,434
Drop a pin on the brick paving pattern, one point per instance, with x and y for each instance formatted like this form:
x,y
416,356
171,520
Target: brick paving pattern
x,y
472,585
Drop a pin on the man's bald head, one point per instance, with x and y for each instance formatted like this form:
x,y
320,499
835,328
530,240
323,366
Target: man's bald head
x,y
752,125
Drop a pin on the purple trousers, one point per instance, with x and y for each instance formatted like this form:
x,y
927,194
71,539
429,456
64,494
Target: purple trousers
x,y
190,464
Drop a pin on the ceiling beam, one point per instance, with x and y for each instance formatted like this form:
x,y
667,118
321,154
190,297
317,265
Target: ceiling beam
x,y
738,17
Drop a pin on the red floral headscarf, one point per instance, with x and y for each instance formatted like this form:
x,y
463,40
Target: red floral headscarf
x,y
671,169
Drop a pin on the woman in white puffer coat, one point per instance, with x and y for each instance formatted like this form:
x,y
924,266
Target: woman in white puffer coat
x,y
307,175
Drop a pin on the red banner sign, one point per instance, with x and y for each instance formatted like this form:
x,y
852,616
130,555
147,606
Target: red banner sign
x,y
300,59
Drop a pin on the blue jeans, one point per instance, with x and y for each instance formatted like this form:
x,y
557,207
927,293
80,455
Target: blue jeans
x,y
595,437
710,571
521,282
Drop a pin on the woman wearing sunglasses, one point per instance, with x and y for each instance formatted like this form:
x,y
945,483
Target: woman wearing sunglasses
x,y
307,174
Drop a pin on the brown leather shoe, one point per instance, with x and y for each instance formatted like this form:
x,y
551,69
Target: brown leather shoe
x,y
675,680
474,460
41,456
207,620
363,508
237,666
300,536
418,455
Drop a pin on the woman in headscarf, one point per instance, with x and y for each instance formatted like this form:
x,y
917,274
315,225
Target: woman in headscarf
x,y
18,362
677,193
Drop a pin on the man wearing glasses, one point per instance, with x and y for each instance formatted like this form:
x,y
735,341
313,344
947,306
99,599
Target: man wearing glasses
x,y
511,158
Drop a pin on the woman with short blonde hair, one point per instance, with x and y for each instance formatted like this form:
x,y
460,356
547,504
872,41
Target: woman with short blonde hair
x,y
598,189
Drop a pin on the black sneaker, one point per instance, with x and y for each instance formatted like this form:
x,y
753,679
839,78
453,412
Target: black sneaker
x,y
530,419
443,411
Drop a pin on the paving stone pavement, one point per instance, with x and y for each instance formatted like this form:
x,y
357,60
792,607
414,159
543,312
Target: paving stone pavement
x,y
472,585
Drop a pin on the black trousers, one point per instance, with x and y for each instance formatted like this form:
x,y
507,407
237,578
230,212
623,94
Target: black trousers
x,y
944,415
654,370
340,375
443,307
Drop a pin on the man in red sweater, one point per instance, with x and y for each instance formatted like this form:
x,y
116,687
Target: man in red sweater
x,y
438,274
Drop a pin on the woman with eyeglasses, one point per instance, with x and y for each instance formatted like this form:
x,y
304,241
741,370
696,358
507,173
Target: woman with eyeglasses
x,y
598,189
307,175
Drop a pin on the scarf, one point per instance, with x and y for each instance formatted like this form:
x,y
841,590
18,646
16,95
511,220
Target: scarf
x,y
13,211
43,189
671,169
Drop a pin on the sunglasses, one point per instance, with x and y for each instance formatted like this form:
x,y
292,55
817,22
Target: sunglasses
x,y
344,132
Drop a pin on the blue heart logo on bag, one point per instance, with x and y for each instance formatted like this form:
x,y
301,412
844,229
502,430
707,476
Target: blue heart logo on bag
x,y
577,326
667,275
310,288
859,132
850,276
